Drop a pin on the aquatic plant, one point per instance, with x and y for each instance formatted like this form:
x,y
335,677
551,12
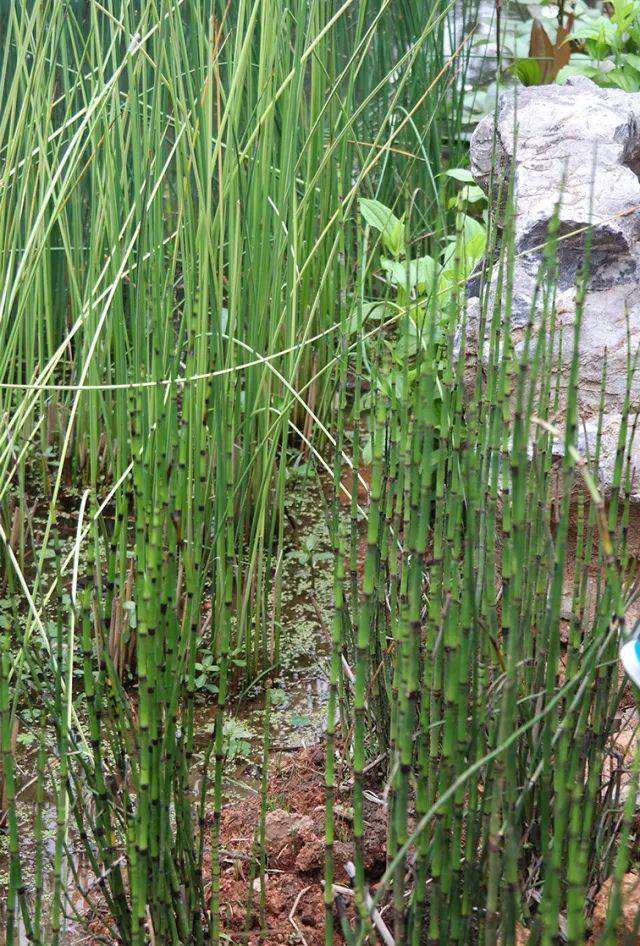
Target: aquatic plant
x,y
497,702
176,216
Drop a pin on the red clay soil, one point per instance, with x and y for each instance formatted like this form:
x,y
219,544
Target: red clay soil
x,y
295,854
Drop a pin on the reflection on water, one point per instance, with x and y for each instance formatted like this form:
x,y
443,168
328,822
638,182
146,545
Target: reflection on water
x,y
76,875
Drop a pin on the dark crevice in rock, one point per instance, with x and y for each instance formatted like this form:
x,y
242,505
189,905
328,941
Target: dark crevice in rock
x,y
630,134
610,261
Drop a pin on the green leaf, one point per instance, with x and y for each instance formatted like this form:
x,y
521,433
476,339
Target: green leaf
x,y
408,341
376,311
406,347
578,69
470,194
599,29
460,174
632,60
475,243
417,274
393,239
527,70
628,80
381,218
376,214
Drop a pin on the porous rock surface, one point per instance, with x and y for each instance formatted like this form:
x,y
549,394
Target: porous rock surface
x,y
580,145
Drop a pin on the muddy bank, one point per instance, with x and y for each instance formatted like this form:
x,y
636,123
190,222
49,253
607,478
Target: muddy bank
x,y
294,909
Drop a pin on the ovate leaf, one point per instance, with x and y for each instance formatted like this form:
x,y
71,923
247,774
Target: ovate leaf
x,y
376,214
475,237
580,68
412,274
374,311
393,239
381,218
460,174
469,194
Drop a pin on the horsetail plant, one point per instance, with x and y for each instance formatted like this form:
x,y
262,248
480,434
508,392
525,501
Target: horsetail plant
x,y
494,773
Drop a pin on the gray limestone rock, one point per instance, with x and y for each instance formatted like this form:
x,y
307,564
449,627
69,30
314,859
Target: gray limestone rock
x,y
580,145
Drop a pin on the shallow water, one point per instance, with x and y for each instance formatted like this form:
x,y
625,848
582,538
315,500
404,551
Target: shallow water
x,y
299,692
299,697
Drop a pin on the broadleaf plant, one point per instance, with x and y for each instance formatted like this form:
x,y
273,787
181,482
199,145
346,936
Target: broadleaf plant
x,y
424,283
